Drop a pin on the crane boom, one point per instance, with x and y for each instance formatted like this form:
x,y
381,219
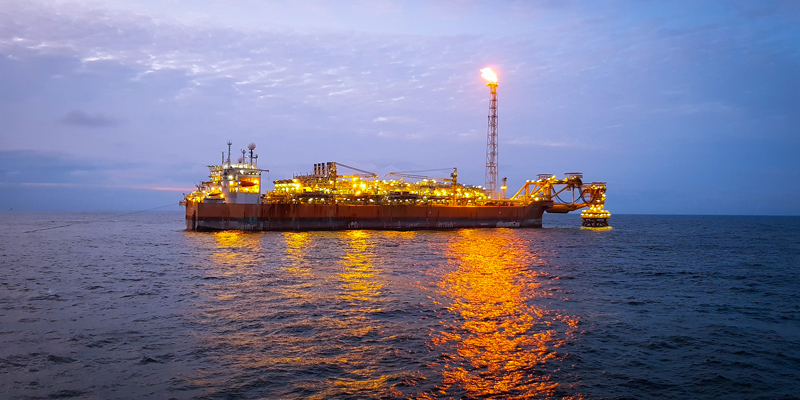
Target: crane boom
x,y
410,174
366,173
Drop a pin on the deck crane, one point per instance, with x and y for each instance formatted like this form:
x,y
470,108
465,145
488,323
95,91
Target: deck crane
x,y
363,174
414,175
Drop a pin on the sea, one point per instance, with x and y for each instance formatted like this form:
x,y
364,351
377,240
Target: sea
x,y
132,306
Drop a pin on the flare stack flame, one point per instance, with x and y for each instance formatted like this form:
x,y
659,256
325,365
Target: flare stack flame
x,y
489,75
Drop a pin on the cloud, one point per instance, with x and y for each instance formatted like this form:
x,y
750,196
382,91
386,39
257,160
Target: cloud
x,y
641,76
40,169
699,108
396,119
87,119
526,141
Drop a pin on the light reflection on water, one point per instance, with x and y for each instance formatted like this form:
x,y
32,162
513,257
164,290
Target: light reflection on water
x,y
496,342
674,307
324,315
297,244
361,287
301,303
236,251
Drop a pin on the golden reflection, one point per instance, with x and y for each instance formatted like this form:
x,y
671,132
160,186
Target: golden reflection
x,y
228,238
299,284
359,274
496,341
306,312
362,290
236,250
597,228
296,252
407,235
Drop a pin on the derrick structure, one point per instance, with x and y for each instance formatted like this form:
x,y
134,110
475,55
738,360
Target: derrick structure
x,y
491,142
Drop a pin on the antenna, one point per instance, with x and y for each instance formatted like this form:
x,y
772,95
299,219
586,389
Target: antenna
x,y
251,146
229,151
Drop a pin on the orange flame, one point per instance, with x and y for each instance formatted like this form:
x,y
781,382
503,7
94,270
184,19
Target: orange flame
x,y
489,75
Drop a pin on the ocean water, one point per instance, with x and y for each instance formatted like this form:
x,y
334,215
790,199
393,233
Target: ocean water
x,y
133,306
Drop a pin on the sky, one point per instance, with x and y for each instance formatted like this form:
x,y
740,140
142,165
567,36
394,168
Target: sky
x,y
681,107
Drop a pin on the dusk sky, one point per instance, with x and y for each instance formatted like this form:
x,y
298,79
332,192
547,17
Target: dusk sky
x,y
682,107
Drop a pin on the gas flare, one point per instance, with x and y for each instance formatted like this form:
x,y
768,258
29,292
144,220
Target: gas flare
x,y
489,75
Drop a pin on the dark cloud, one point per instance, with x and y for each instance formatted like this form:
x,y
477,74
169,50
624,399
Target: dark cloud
x,y
91,120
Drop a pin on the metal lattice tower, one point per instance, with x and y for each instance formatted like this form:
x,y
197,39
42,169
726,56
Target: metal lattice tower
x,y
491,143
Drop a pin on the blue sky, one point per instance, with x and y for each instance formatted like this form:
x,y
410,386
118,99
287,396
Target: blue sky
x,y
681,107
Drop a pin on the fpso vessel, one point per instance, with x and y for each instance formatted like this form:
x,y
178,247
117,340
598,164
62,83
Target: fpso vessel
x,y
325,199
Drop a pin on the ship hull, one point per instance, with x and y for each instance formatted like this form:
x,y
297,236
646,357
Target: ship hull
x,y
310,217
